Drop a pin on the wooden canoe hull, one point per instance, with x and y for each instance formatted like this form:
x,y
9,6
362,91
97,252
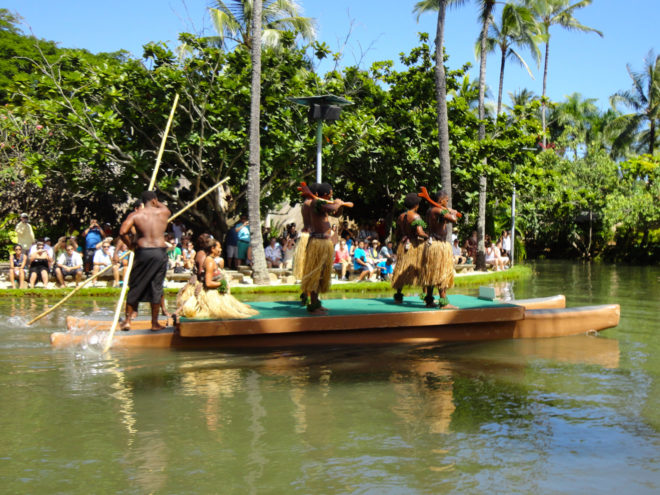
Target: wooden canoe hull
x,y
532,323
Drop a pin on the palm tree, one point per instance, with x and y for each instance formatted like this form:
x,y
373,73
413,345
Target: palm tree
x,y
639,127
241,22
548,13
233,21
486,11
572,120
441,89
517,27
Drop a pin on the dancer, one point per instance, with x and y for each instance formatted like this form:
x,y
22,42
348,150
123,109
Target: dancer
x,y
411,236
303,239
438,258
320,251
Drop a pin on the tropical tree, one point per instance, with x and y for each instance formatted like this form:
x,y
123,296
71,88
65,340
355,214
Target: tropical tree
x,y
441,89
549,13
571,122
233,21
640,127
516,28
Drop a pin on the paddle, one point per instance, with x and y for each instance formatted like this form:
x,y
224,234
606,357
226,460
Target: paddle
x,y
424,194
129,267
94,277
306,193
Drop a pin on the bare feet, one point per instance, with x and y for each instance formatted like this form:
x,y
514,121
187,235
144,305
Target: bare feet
x,y
157,326
319,311
449,306
125,325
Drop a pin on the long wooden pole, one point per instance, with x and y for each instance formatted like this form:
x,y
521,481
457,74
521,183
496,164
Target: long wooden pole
x,y
87,281
94,277
131,257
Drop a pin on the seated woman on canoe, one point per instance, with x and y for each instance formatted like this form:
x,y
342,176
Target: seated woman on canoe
x,y
210,297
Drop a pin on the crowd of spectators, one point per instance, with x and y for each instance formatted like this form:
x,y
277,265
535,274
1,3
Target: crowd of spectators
x,y
362,251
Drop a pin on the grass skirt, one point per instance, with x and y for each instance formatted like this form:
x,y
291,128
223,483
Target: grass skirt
x,y
438,265
319,255
299,255
193,301
408,264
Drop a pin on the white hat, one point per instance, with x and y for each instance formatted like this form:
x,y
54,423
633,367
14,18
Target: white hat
x,y
24,215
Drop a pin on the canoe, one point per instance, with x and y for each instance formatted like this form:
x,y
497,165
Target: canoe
x,y
359,322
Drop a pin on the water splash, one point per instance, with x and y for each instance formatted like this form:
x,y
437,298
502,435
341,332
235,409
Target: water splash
x,y
18,321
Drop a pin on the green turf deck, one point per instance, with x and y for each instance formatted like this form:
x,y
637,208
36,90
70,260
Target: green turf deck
x,y
348,307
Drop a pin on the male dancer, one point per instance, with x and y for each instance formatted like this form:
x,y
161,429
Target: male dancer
x,y
150,267
303,239
320,251
438,258
411,236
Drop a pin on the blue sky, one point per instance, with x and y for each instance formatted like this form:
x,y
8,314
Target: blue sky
x,y
379,30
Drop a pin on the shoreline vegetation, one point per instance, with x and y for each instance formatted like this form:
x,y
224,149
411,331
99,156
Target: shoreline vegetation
x,y
517,272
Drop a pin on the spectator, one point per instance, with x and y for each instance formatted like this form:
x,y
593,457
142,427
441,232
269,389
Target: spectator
x,y
273,253
120,250
231,247
17,262
459,258
506,244
373,252
291,232
103,259
360,264
387,251
244,236
492,255
471,247
385,268
178,228
93,237
342,259
69,263
188,255
24,233
107,230
287,252
174,255
39,263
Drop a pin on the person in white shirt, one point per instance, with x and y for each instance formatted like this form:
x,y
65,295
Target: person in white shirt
x,y
273,254
506,243
69,263
103,259
24,233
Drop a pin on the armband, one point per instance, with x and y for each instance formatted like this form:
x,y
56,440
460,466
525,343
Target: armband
x,y
419,223
224,287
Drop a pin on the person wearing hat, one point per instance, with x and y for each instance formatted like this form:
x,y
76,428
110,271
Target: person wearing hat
x,y
24,233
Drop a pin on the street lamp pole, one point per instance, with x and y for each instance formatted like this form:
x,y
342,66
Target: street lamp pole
x,y
321,108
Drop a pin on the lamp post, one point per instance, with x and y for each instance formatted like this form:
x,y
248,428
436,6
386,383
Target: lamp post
x,y
325,107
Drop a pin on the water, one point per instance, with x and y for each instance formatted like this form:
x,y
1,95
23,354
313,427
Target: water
x,y
556,416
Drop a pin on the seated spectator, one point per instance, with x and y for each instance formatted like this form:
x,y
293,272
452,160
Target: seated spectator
x,y
500,253
188,255
291,232
342,259
17,262
373,252
459,257
273,253
103,259
174,255
287,251
492,255
360,264
387,251
385,268
40,261
471,247
118,253
69,263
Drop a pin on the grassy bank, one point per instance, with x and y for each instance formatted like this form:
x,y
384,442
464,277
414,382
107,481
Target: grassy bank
x,y
516,273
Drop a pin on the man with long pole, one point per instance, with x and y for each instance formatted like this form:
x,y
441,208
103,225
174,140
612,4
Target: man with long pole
x,y
148,273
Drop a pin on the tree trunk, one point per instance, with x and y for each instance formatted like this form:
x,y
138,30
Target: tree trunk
x,y
441,98
545,84
499,92
260,271
483,180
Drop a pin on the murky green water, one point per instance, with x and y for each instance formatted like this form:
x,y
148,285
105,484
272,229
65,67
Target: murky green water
x,y
569,415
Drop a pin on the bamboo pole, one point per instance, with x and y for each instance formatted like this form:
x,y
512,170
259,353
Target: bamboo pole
x,y
94,277
131,257
87,281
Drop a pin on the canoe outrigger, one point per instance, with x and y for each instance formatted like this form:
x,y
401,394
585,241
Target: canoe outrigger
x,y
360,322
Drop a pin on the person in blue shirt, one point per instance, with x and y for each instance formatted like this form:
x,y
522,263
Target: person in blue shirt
x,y
93,237
360,264
386,268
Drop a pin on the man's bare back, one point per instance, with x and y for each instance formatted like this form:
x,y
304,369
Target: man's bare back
x,y
150,223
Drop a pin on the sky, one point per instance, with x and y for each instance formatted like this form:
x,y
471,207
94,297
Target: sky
x,y
366,31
